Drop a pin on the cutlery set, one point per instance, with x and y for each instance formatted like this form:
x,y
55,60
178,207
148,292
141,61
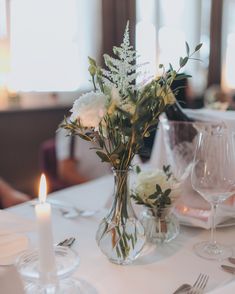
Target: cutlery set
x,y
201,282
197,288
228,268
68,211
67,242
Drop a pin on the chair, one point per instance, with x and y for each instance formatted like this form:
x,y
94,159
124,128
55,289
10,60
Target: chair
x,y
48,165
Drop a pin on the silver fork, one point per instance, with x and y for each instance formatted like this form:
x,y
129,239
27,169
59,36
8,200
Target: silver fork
x,y
67,242
75,212
199,285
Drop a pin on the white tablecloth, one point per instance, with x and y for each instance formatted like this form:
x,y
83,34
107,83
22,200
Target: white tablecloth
x,y
160,270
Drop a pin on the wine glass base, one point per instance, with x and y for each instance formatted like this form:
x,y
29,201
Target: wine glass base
x,y
212,251
66,286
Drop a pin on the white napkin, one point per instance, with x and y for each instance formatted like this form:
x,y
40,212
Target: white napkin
x,y
10,247
227,289
193,210
12,241
11,223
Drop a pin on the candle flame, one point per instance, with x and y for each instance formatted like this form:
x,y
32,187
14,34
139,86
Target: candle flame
x,y
42,189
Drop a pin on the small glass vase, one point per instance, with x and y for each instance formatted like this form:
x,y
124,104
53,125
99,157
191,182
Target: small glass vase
x,y
120,235
161,225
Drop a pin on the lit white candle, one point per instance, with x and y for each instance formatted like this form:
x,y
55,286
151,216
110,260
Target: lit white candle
x,y
45,238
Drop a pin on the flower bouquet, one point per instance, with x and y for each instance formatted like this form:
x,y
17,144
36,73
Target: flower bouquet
x,y
157,190
116,117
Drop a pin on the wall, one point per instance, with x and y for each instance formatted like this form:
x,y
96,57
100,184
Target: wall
x,y
21,134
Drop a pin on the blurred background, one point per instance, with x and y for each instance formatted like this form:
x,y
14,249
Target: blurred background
x,y
44,46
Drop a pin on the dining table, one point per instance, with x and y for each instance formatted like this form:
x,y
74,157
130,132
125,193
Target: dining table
x,y
159,269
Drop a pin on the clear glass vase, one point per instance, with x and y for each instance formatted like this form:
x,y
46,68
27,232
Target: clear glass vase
x,y
161,225
120,235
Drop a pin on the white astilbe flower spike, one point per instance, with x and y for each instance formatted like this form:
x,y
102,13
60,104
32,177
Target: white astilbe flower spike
x,y
122,72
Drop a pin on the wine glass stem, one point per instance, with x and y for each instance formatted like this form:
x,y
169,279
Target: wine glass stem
x,y
213,227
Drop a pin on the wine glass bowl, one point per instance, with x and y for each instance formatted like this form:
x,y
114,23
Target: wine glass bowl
x,y
213,177
180,139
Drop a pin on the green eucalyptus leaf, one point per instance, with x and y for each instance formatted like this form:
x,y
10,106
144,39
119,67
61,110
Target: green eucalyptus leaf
x,y
167,192
187,48
158,188
183,61
91,61
152,196
103,156
138,169
92,70
198,47
84,137
182,77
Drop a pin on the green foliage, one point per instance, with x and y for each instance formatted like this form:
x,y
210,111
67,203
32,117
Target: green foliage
x,y
167,171
158,200
135,113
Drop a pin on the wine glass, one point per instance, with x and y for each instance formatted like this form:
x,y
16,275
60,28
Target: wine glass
x,y
213,176
180,139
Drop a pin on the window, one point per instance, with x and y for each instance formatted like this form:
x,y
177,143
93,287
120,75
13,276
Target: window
x,y
228,50
163,28
50,42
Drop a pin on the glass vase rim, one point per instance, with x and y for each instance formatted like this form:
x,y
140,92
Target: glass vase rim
x,y
165,122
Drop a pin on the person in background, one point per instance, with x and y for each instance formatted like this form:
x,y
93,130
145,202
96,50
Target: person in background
x,y
10,196
216,98
76,163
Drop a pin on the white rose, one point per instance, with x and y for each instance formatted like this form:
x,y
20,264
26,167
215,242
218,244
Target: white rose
x,y
90,108
147,180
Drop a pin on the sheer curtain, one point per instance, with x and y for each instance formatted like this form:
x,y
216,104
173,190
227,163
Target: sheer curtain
x,y
162,28
228,45
4,43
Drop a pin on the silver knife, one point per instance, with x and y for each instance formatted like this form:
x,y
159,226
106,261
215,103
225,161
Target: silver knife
x,y
229,269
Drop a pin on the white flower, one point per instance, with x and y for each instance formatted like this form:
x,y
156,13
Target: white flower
x,y
117,101
90,108
167,95
146,183
116,98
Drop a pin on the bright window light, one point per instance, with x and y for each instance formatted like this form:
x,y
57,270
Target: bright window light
x,y
146,38
146,48
50,42
172,45
162,28
44,51
3,19
230,61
